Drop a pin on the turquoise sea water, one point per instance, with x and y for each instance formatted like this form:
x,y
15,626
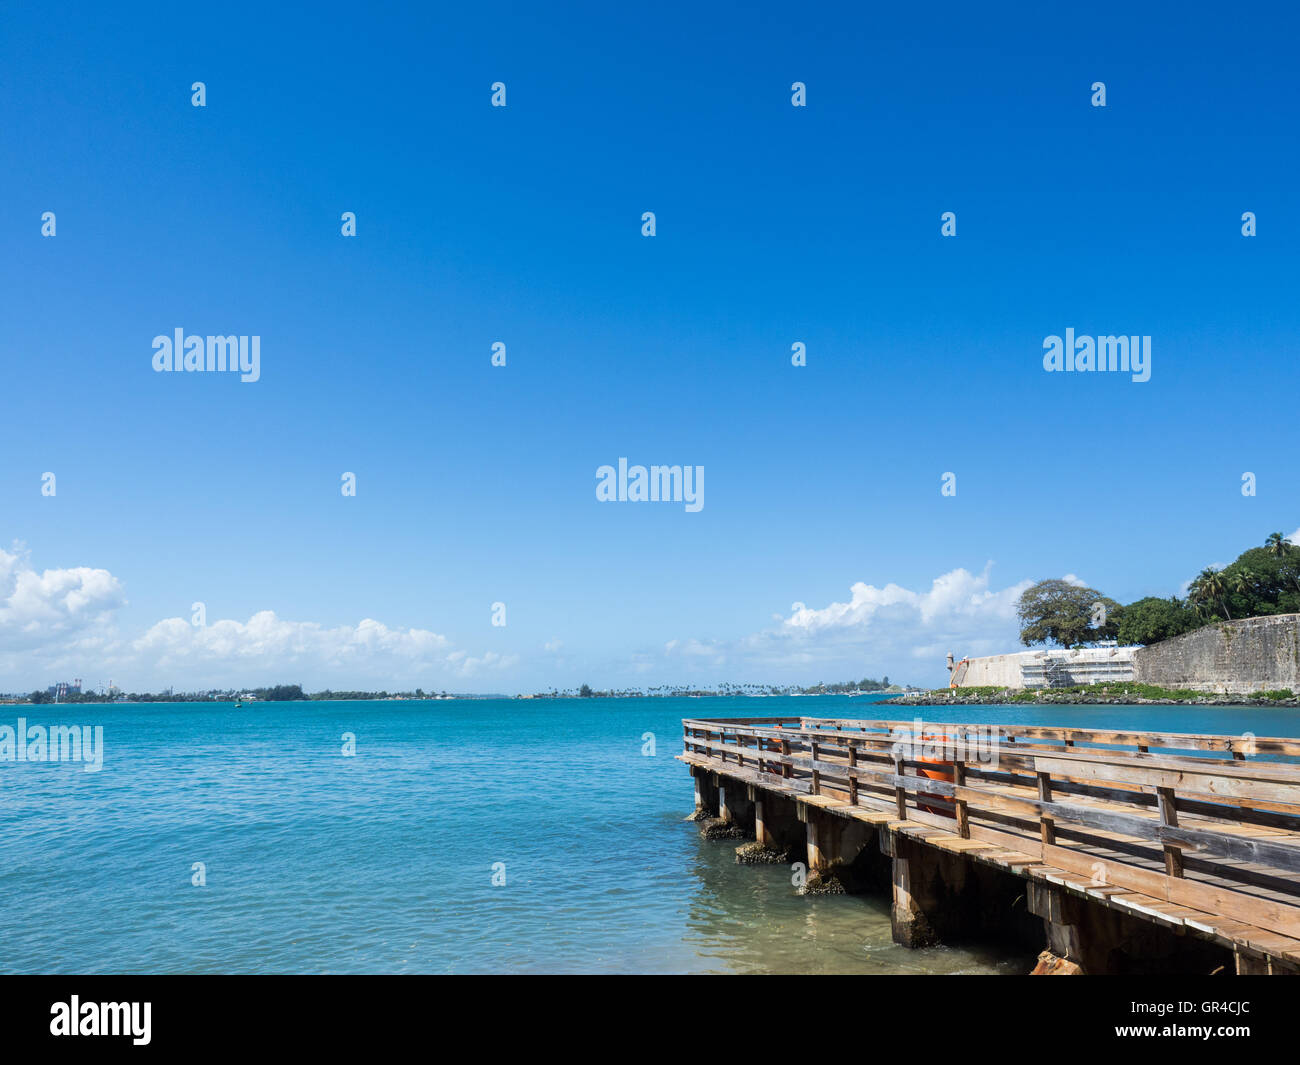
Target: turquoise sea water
x,y
383,862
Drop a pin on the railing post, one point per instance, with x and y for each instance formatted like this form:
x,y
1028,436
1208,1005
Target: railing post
x,y
816,776
963,815
853,776
1046,824
785,754
1169,817
900,793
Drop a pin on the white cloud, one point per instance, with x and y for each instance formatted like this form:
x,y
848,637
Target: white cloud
x,y
58,624
37,609
266,635
1295,537
958,594
268,646
878,630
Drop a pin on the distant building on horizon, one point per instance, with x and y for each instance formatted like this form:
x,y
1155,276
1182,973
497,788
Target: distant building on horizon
x,y
63,689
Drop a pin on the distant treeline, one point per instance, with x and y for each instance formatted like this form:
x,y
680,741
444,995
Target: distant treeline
x,y
131,697
866,684
419,693
280,693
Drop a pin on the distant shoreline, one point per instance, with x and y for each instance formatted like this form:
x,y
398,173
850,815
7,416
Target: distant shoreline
x,y
363,698
251,698
931,698
1102,695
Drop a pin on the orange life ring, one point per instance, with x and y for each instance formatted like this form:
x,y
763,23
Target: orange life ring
x,y
947,775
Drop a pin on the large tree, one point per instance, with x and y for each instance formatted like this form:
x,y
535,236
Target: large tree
x,y
1151,620
1057,611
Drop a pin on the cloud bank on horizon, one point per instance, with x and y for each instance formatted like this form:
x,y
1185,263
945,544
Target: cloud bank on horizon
x,y
879,630
60,623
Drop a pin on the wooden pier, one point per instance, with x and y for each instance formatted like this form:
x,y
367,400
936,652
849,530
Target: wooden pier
x,y
1139,852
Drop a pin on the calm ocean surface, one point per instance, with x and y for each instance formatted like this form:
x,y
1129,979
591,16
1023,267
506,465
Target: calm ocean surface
x,y
383,862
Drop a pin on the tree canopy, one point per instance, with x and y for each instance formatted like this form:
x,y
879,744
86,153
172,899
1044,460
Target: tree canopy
x,y
1262,581
1057,611
280,693
1152,619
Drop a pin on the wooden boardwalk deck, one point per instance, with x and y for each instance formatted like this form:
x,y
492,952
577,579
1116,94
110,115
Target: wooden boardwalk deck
x,y
1197,833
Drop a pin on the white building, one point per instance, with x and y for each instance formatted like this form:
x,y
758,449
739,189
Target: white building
x,y
1049,668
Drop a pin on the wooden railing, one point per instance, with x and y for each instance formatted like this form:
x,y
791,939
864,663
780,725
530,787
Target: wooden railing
x,y
1208,821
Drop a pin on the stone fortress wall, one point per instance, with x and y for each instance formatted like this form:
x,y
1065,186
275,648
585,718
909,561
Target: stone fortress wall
x,y
1237,657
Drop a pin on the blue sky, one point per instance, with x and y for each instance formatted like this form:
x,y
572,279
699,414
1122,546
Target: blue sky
x,y
522,224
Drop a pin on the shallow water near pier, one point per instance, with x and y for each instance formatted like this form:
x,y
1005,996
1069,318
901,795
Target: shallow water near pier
x,y
385,862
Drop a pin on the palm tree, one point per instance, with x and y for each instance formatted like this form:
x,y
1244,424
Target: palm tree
x,y
1243,581
1196,593
1278,544
1210,586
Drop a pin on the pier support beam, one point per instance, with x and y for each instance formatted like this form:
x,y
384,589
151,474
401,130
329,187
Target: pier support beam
x,y
928,904
834,848
1061,922
778,835
736,807
833,840
706,793
763,827
912,898
939,896
722,807
776,821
